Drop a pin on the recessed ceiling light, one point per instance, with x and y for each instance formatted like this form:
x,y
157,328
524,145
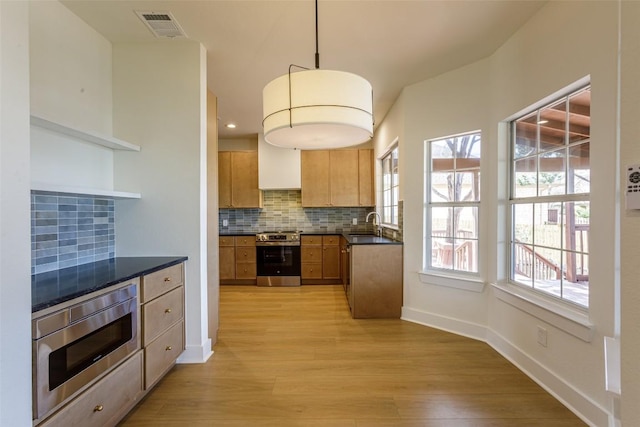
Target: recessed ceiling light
x,y
231,125
543,122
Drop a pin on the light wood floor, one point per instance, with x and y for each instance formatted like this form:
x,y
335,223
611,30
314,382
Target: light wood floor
x,y
294,357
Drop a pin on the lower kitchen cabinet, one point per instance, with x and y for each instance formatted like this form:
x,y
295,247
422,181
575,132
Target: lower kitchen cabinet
x,y
374,290
320,257
107,401
162,306
237,260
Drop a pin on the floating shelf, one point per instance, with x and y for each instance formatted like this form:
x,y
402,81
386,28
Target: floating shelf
x,y
94,138
66,189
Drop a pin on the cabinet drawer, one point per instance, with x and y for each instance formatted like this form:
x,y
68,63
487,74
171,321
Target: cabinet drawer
x,y
156,284
311,240
246,241
245,254
330,240
161,313
106,402
161,354
246,270
311,271
226,241
311,254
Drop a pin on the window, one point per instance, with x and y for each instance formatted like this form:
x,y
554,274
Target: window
x,y
390,188
453,203
550,177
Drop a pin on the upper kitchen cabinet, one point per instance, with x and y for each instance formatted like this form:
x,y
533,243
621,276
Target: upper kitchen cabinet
x,y
238,179
337,178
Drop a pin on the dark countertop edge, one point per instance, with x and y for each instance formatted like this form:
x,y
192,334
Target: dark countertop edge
x,y
370,240
163,262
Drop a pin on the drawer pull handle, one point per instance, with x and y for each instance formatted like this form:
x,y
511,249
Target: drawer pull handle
x,y
167,279
169,348
168,310
98,408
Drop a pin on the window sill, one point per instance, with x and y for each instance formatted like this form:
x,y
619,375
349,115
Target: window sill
x,y
464,283
571,321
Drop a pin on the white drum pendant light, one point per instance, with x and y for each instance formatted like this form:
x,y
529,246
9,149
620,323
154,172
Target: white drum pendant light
x,y
317,109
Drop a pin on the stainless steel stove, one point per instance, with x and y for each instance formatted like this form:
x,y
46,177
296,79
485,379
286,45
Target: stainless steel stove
x,y
278,258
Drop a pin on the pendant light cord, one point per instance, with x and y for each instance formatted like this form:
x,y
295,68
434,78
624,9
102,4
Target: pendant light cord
x,y
317,54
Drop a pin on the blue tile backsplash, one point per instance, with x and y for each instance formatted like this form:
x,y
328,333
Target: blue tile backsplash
x,y
69,230
282,210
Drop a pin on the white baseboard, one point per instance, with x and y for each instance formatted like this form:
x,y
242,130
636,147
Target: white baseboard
x,y
585,408
196,353
448,324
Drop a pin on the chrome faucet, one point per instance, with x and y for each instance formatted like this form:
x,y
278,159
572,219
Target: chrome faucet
x,y
375,223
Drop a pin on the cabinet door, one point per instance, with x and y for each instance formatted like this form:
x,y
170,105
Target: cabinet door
x,y
331,262
344,177
315,178
224,179
227,262
365,179
244,180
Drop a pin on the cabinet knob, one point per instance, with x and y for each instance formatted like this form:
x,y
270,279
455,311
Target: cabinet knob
x,y
98,408
167,279
169,348
168,310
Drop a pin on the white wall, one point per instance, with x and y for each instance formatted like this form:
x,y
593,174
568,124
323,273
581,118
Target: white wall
x,y
15,248
160,103
70,84
630,220
563,43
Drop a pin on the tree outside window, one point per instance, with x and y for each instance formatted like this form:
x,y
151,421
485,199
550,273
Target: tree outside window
x,y
453,203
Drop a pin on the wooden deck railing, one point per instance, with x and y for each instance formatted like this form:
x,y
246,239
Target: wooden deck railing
x,y
527,263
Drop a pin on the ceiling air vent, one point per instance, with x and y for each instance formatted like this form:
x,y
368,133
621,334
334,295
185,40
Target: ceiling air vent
x,y
161,24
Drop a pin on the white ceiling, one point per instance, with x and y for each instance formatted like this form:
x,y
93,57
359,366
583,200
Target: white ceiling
x,y
391,43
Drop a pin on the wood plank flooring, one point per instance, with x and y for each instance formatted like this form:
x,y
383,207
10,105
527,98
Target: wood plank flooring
x,y
294,357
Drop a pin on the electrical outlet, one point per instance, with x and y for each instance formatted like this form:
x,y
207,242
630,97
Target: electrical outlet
x,y
225,223
355,221
542,336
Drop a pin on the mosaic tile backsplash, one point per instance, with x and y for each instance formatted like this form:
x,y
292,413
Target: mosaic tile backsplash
x,y
70,230
282,210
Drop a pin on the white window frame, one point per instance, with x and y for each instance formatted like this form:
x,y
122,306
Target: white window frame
x,y
555,304
388,186
454,278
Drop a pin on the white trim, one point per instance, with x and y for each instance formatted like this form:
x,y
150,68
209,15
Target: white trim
x,y
571,321
444,323
579,403
473,284
389,148
196,353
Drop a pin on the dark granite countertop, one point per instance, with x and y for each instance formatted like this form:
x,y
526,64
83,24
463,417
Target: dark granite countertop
x,y
56,287
369,239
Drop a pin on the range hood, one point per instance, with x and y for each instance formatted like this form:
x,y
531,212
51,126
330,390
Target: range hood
x,y
278,168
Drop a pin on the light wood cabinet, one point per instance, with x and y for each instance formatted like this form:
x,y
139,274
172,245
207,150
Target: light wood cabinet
x,y
375,285
245,257
107,401
237,260
238,180
162,306
320,258
338,178
227,254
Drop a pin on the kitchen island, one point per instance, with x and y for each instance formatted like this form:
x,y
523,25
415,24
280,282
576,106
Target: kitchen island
x,y
373,284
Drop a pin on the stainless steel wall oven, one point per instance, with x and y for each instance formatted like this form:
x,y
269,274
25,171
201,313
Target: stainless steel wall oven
x,y
278,258
76,345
